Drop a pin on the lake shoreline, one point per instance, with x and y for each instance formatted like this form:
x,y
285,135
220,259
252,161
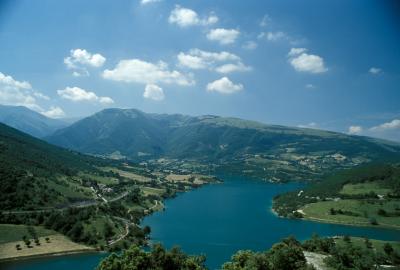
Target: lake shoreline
x,y
325,221
49,255
89,249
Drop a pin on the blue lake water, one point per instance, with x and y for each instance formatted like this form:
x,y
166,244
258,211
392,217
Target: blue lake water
x,y
217,220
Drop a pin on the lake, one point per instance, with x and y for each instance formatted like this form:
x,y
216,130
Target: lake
x,y
217,220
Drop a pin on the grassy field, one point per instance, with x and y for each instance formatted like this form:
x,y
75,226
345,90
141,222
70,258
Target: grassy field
x,y
178,177
130,175
12,233
364,188
377,244
153,191
57,244
356,212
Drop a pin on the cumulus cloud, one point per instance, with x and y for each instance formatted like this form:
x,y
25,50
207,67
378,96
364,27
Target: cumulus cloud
x,y
138,71
154,92
303,62
354,130
185,17
77,94
222,62
229,68
224,86
80,59
54,112
394,124
250,45
223,36
145,2
272,36
19,93
375,70
296,51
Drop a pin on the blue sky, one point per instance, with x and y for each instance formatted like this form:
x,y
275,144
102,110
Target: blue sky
x,y
322,64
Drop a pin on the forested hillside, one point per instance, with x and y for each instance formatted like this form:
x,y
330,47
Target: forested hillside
x,y
276,153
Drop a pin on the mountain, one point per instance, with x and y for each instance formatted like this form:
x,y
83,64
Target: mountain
x,y
277,153
29,121
36,174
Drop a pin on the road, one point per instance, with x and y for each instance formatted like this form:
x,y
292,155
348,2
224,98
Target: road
x,y
83,204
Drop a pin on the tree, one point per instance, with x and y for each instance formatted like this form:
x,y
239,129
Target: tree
x,y
107,229
347,239
287,255
147,230
18,246
388,248
368,244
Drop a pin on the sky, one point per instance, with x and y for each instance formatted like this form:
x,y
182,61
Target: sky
x,y
331,65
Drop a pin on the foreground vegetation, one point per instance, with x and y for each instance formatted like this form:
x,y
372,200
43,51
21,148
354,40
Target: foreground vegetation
x,y
367,195
93,201
342,253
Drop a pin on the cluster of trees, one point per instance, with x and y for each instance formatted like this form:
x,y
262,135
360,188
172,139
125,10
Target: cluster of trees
x,y
158,258
285,255
350,255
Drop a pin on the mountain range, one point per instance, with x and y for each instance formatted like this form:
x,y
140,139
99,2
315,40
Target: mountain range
x,y
275,152
29,121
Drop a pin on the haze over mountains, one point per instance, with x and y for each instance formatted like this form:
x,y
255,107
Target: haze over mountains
x,y
29,121
270,151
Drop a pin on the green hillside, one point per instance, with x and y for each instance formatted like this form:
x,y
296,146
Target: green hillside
x,y
35,174
368,195
98,202
275,153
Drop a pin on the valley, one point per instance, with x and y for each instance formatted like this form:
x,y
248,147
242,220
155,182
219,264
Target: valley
x,y
96,202
212,143
103,197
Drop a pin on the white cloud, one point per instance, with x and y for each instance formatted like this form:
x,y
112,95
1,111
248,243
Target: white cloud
x,y
224,86
375,70
54,112
145,2
229,68
185,17
198,59
79,59
310,86
296,51
394,124
77,94
19,93
309,125
223,36
265,21
154,92
192,61
353,130
250,45
273,36
303,62
138,71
